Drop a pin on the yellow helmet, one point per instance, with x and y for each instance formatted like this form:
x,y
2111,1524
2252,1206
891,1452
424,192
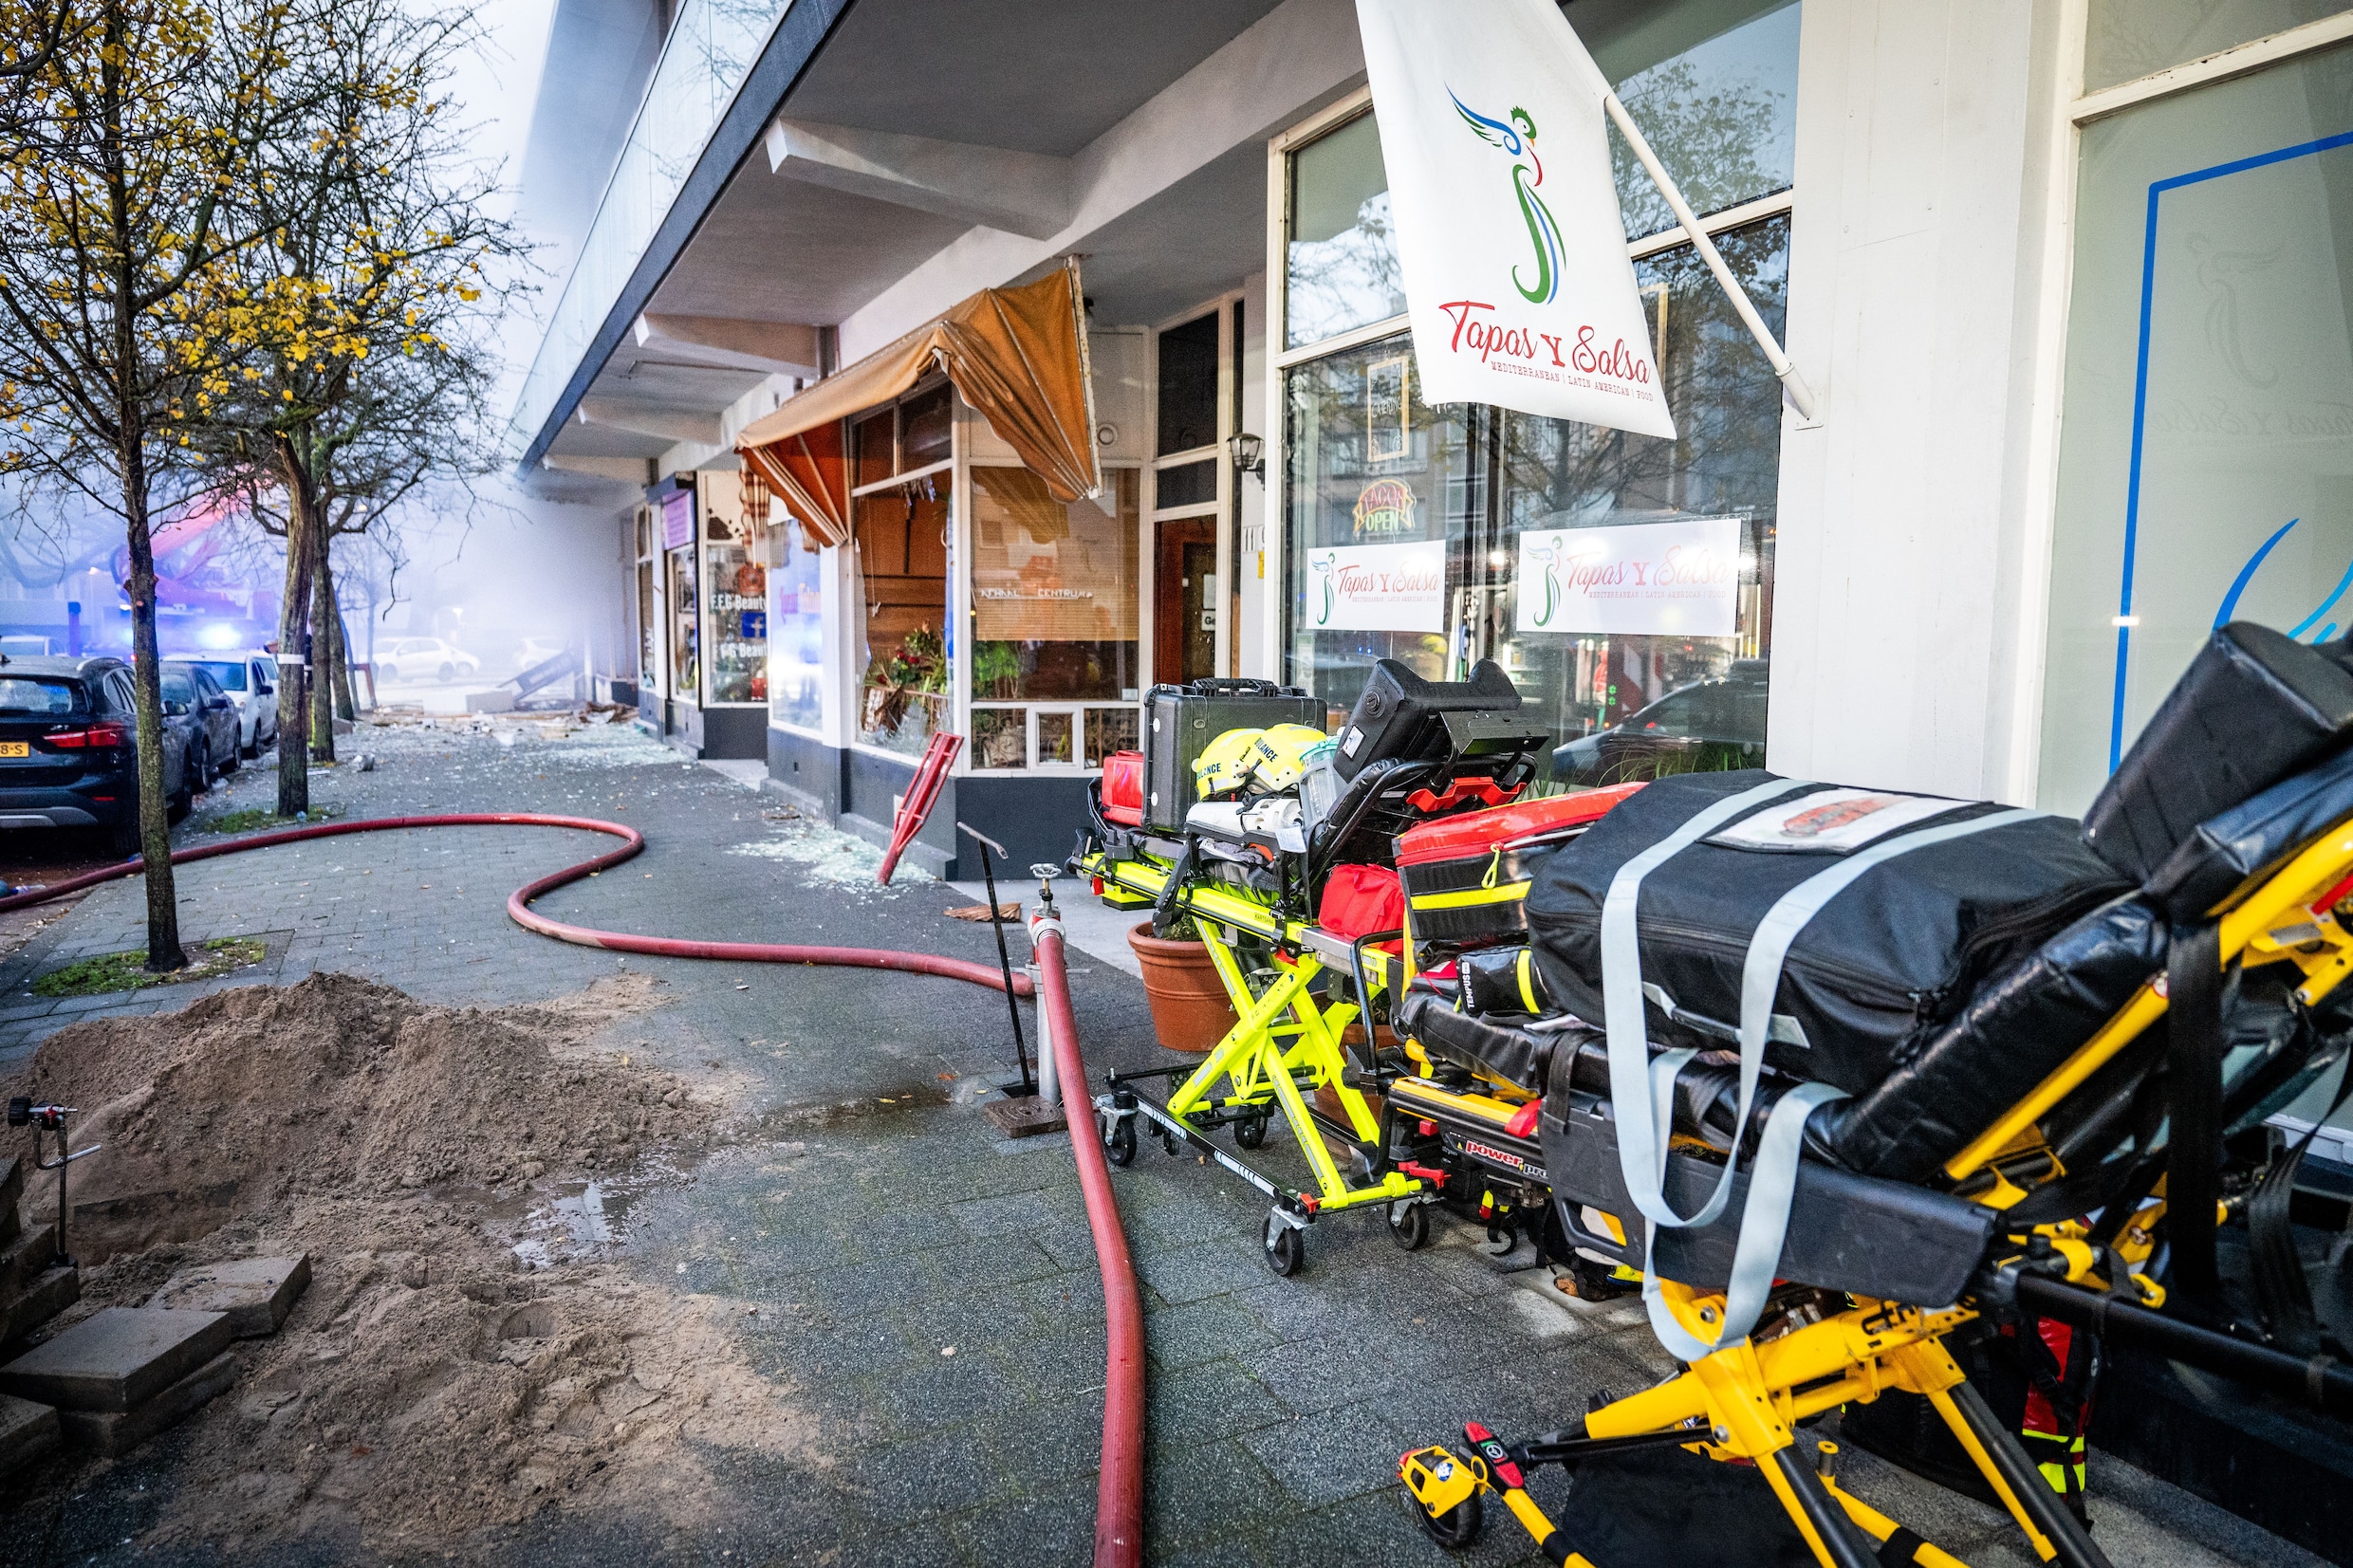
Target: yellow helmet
x,y
1282,754
1224,764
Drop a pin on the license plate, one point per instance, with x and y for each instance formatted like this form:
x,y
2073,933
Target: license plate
x,y
15,748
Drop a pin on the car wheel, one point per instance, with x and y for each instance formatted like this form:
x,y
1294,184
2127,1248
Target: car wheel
x,y
201,767
123,838
183,799
449,670
235,758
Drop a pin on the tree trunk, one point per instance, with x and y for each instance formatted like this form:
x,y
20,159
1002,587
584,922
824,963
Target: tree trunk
x,y
322,647
294,640
155,824
346,700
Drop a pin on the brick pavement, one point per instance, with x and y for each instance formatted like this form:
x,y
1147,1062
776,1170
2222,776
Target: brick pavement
x,y
873,1238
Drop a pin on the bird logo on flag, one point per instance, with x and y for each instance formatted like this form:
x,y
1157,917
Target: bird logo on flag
x,y
1517,137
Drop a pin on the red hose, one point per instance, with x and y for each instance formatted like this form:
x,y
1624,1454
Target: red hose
x,y
1120,1494
1119,1507
1119,1490
520,911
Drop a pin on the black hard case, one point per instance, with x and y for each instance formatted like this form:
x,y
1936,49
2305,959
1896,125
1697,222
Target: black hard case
x,y
1400,715
1181,721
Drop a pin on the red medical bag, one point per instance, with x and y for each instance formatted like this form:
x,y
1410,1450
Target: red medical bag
x,y
1123,788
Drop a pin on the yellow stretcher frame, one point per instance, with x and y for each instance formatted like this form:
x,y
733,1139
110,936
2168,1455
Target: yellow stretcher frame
x,y
1281,1048
1745,1401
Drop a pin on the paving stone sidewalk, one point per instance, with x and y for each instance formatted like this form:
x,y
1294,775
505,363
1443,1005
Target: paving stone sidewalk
x,y
876,1237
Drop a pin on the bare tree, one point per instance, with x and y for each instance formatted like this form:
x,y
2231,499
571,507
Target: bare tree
x,y
141,126
370,389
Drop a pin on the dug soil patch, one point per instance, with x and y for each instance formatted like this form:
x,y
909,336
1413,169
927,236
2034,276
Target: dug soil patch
x,y
429,1387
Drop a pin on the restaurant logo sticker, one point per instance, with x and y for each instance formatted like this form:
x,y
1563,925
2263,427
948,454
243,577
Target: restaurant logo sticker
x,y
1680,578
1518,141
1377,587
1385,508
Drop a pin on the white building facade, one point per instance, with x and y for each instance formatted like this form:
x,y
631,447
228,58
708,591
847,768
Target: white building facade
x,y
2067,280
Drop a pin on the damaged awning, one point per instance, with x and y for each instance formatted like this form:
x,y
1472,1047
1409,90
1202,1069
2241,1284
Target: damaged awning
x,y
1018,355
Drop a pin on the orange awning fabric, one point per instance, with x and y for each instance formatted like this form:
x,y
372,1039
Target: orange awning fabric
x,y
1017,355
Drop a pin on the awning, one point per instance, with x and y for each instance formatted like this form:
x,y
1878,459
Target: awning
x,y
1017,355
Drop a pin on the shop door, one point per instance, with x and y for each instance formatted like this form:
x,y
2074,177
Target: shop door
x,y
1184,600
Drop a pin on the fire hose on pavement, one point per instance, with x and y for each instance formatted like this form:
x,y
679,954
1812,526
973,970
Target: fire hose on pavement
x,y
1119,1520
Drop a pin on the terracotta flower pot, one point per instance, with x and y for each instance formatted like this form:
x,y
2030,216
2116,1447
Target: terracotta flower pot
x,y
1190,1009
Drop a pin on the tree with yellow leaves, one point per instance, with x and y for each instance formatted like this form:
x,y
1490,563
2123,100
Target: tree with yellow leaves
x,y
363,379
140,131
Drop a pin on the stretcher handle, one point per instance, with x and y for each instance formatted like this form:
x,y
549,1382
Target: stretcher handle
x,y
1364,999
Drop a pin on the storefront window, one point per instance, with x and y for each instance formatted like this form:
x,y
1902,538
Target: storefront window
x,y
902,535
1439,537
1342,271
1635,687
685,628
2206,460
1721,115
649,630
796,619
735,608
1054,613
1385,494
2126,39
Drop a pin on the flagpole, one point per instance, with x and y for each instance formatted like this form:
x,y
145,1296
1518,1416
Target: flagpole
x,y
1794,384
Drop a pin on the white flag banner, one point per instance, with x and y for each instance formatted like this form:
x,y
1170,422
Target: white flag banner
x,y
1506,213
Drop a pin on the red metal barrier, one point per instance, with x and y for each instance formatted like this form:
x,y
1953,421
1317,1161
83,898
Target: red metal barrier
x,y
916,806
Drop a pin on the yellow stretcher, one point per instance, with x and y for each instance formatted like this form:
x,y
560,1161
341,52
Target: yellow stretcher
x,y
1283,1047
1747,1401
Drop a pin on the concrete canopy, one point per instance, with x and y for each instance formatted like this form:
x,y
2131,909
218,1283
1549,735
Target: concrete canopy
x,y
1045,80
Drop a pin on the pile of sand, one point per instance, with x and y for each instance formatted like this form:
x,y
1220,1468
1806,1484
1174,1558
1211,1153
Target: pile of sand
x,y
428,1386
338,1085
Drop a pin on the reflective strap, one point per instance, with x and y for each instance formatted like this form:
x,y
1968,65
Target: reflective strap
x,y
1641,1152
1526,968
1764,1224
1510,893
1769,946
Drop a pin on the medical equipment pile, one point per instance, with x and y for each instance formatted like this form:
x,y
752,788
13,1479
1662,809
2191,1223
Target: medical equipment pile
x,y
1827,1074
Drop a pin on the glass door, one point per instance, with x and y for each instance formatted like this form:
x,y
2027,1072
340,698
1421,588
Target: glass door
x,y
2206,459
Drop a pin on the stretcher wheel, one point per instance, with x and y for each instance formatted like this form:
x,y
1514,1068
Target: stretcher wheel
x,y
1120,1141
1459,1526
1250,1133
1409,1225
1287,1246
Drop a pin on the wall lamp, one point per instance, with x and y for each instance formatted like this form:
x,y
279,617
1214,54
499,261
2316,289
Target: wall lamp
x,y
1248,452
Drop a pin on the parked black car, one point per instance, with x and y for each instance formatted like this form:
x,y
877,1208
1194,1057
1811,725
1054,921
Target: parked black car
x,y
1709,725
68,748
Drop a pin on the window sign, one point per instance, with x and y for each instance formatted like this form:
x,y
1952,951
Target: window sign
x,y
1676,579
1377,587
677,520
